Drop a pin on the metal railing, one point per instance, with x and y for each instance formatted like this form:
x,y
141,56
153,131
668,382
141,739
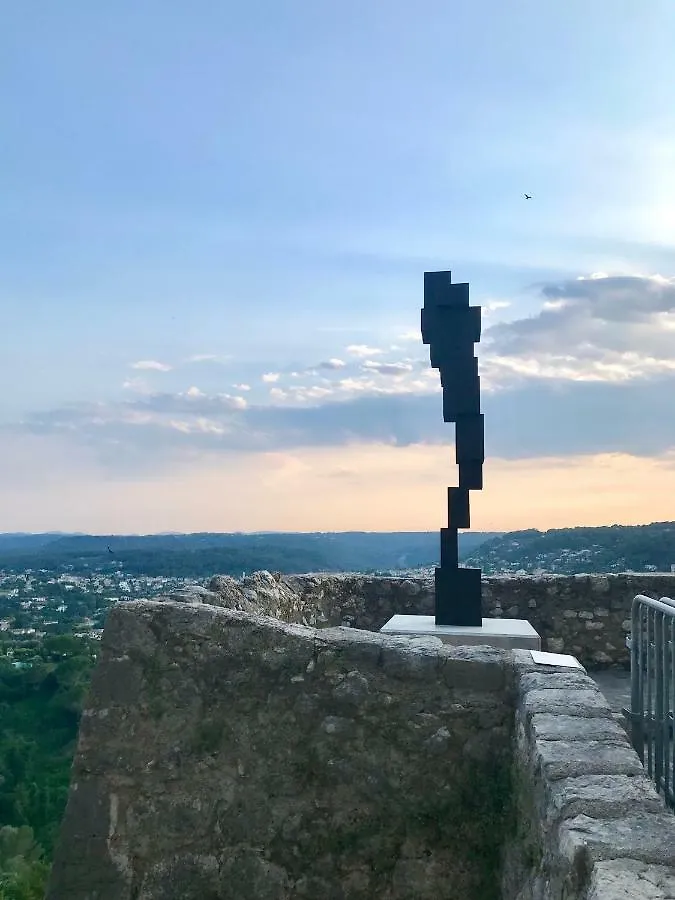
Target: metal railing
x,y
652,669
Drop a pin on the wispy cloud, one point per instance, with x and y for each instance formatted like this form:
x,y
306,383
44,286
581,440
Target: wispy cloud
x,y
494,306
330,364
137,385
205,357
151,364
270,377
362,350
384,368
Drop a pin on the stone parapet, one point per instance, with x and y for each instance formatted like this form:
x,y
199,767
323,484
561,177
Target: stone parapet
x,y
590,825
587,616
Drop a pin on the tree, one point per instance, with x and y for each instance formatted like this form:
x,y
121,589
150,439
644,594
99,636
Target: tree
x,y
23,869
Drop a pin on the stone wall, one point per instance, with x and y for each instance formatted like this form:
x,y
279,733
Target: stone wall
x,y
227,755
224,754
585,615
590,826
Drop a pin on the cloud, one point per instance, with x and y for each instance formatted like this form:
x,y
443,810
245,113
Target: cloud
x,y
494,305
330,364
592,372
242,387
530,420
362,350
194,401
207,358
202,357
151,364
313,392
601,328
137,385
392,368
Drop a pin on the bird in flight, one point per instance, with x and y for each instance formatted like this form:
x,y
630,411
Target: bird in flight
x,y
109,550
528,196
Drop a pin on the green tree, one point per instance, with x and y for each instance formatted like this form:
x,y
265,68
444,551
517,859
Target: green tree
x,y
23,869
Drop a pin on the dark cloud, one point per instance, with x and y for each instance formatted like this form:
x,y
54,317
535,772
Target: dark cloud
x,y
569,418
535,419
599,318
619,298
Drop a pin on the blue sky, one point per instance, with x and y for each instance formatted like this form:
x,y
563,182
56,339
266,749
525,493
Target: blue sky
x,y
204,205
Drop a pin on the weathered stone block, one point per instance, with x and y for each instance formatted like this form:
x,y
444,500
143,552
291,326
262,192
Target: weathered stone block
x,y
567,702
549,727
567,759
629,879
645,837
601,796
561,681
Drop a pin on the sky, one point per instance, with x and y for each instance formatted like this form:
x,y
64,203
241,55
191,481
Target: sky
x,y
214,224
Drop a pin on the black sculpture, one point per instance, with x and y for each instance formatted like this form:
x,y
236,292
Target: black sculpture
x,y
451,327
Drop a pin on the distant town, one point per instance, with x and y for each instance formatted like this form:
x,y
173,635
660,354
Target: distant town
x,y
38,603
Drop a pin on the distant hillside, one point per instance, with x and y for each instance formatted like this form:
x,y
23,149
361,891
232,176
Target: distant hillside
x,y
570,551
21,542
200,555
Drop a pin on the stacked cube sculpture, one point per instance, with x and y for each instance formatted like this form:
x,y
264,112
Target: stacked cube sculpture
x,y
451,327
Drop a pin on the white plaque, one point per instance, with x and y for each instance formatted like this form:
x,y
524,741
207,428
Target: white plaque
x,y
543,658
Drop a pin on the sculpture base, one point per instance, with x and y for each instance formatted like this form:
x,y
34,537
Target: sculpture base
x,y
506,634
457,598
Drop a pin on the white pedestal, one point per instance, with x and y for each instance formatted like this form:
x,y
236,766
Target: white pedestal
x,y
507,634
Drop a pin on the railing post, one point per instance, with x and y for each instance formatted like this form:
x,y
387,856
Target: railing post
x,y
667,702
659,716
636,660
671,716
649,641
